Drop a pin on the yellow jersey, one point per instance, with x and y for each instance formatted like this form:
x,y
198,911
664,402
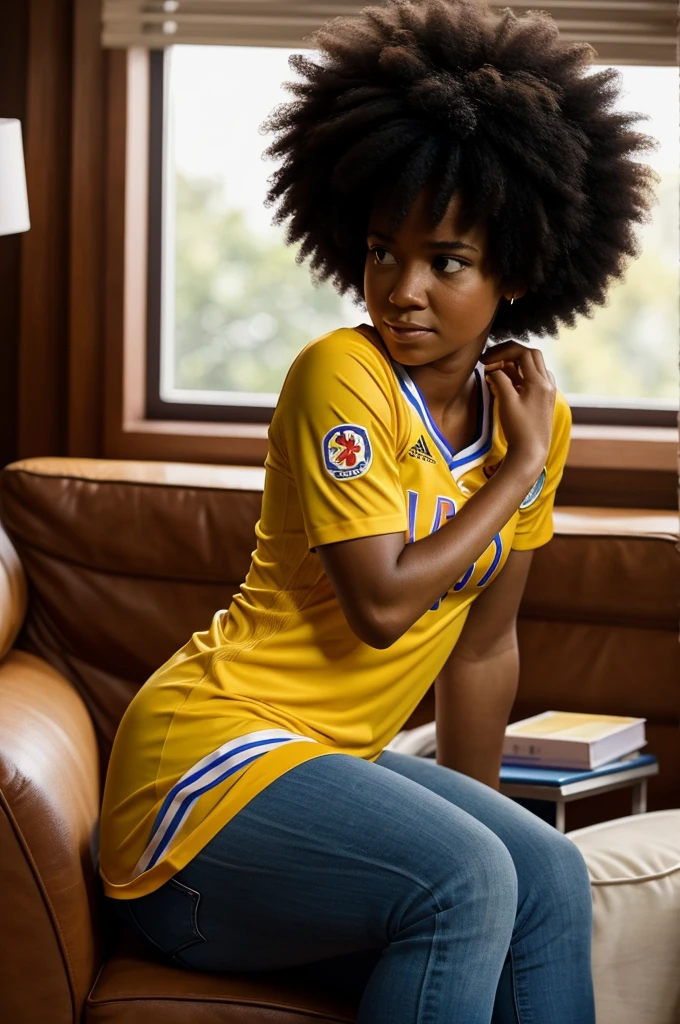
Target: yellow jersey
x,y
279,677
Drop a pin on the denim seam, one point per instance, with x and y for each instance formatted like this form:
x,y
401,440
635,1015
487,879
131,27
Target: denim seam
x,y
195,898
518,997
432,956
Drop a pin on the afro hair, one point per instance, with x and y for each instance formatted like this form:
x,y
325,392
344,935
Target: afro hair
x,y
457,97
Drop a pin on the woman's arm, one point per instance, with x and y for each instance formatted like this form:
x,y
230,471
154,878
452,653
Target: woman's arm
x,y
383,584
476,689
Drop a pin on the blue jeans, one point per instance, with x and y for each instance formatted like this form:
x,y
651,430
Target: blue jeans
x,y
450,903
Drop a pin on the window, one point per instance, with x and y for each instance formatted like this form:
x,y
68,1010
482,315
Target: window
x,y
625,356
235,308
229,307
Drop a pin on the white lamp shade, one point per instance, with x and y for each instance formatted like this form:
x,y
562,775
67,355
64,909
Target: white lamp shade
x,y
13,198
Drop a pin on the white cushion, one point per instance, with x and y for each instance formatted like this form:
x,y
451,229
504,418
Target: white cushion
x,y
634,866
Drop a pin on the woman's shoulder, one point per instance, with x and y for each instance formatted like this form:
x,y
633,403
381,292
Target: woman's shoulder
x,y
561,430
343,378
561,415
361,344
346,354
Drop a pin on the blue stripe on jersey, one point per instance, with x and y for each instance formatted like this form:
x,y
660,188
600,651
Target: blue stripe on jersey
x,y
485,429
441,446
496,559
412,393
412,508
186,780
211,770
473,454
188,802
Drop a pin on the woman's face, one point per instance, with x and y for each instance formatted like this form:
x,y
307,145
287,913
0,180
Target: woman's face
x,y
433,279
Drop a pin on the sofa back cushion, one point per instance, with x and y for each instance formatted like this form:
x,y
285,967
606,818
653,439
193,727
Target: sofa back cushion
x,y
126,560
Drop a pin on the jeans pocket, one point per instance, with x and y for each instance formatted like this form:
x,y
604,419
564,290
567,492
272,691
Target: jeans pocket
x,y
168,917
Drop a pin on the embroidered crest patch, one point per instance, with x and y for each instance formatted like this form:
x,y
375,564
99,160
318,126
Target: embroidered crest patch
x,y
346,451
535,491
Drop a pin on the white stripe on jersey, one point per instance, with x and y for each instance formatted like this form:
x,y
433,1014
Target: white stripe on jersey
x,y
467,458
202,776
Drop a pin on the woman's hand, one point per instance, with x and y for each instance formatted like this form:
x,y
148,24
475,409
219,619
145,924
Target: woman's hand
x,y
525,391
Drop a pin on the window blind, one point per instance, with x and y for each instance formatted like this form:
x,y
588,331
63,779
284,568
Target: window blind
x,y
622,31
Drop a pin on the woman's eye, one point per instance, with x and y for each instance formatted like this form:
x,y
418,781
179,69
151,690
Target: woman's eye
x,y
457,264
452,259
375,250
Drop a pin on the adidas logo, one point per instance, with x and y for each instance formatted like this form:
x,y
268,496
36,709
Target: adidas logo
x,y
420,450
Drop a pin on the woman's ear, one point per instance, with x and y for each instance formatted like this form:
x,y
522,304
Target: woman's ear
x,y
517,292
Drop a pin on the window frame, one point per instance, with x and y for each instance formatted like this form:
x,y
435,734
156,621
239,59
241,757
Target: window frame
x,y
621,466
158,408
584,411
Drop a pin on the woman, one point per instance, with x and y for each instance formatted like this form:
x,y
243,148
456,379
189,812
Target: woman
x,y
459,171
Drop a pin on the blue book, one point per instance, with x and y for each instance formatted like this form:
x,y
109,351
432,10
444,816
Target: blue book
x,y
527,775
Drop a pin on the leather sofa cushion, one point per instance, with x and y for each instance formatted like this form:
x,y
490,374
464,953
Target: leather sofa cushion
x,y
608,567
136,986
125,560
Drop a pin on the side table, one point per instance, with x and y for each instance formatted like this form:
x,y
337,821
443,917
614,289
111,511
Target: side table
x,y
560,785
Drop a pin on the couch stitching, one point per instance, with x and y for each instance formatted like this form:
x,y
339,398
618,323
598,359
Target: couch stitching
x,y
638,879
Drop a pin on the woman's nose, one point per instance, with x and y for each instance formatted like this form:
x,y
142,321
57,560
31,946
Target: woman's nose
x,y
410,288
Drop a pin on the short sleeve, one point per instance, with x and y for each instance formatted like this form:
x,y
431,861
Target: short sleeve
x,y
535,525
336,424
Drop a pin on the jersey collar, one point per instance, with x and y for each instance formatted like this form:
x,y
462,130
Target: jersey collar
x,y
473,455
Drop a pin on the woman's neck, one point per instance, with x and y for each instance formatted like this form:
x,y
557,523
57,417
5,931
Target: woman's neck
x,y
447,384
449,389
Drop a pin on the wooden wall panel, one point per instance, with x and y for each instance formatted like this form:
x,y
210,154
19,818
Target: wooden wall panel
x,y
86,285
43,376
51,384
618,488
13,42
115,243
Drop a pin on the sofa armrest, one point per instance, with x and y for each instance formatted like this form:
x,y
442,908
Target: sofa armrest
x,y
49,806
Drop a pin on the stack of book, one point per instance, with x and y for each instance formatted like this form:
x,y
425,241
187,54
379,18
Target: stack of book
x,y
565,739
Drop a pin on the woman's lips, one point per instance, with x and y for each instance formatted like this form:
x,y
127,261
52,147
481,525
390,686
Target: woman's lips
x,y
408,333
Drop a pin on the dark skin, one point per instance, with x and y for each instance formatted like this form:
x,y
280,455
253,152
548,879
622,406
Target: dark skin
x,y
383,584
444,289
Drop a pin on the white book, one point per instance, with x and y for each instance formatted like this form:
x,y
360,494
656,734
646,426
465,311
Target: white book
x,y
565,739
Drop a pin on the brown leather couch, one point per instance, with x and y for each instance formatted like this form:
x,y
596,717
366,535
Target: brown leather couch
x,y
123,561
